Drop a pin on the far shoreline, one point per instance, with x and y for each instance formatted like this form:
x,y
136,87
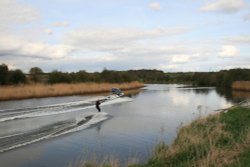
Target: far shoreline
x,y
21,92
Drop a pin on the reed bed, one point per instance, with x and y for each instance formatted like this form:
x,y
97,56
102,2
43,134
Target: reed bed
x,y
241,85
46,90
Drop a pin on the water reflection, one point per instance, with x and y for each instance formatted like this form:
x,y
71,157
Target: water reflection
x,y
232,95
197,90
135,126
132,93
241,94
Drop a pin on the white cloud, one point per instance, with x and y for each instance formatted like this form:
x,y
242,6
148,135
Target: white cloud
x,y
149,50
224,6
13,12
60,24
48,31
103,39
239,40
13,46
228,51
155,6
168,66
180,59
102,47
93,48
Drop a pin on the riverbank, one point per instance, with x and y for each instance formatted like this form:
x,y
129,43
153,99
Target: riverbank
x,y
221,140
218,140
46,90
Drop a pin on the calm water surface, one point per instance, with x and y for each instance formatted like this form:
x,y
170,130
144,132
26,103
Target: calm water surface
x,y
51,131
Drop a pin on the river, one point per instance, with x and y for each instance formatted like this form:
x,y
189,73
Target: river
x,y
62,131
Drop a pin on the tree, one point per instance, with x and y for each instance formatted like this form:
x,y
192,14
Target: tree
x,y
16,77
59,77
36,74
81,76
3,74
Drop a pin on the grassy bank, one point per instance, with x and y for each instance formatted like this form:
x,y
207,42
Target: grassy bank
x,y
46,90
219,140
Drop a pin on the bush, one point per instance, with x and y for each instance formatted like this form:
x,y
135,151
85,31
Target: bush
x,y
16,77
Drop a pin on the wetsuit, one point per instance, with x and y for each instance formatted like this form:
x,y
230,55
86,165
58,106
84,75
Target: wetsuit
x,y
97,105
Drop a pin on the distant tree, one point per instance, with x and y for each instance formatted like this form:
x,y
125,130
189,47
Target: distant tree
x,y
3,74
16,77
81,76
36,74
59,77
95,77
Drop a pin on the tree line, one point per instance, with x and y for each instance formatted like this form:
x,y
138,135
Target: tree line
x,y
11,76
223,78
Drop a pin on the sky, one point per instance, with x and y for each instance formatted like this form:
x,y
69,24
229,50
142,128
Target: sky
x,y
172,36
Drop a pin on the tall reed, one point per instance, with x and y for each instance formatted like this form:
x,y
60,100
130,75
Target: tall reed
x,y
46,90
241,85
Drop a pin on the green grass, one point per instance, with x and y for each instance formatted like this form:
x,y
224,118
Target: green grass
x,y
236,121
218,140
243,160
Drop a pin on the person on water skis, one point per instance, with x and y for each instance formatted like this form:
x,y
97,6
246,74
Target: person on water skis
x,y
97,105
115,91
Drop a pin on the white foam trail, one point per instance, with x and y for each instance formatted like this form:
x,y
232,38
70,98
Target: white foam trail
x,y
26,143
76,103
52,106
118,100
110,100
2,137
95,119
40,114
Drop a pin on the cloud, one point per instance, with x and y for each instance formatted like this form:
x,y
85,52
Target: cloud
x,y
104,39
246,17
239,40
60,24
48,31
12,12
180,59
150,49
168,66
99,47
223,6
228,51
155,6
14,46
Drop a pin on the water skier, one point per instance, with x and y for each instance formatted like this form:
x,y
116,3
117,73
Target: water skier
x,y
97,105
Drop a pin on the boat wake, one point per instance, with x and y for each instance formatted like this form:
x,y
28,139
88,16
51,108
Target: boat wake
x,y
50,131
21,113
22,137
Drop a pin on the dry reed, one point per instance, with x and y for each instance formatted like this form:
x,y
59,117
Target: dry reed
x,y
45,90
241,85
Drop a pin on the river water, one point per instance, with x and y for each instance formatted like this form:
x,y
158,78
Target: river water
x,y
62,131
